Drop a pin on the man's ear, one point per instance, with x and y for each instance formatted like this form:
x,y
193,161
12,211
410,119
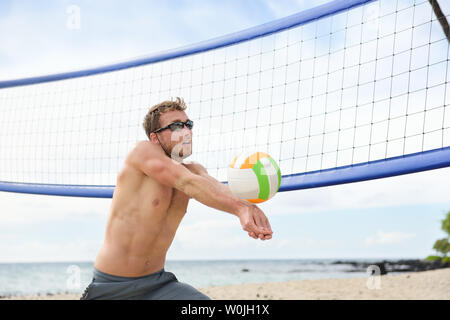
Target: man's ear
x,y
153,138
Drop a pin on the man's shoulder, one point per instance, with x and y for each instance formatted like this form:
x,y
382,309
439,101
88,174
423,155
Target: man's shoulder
x,y
143,144
141,151
144,148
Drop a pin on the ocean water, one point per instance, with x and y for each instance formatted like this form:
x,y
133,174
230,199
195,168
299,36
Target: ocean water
x,y
73,277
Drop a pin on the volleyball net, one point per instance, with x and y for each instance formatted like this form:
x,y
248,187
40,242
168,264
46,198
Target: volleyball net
x,y
344,92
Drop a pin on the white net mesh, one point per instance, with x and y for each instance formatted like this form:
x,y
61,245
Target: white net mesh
x,y
367,83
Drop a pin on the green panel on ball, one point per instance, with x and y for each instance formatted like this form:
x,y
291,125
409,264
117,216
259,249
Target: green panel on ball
x,y
278,171
263,180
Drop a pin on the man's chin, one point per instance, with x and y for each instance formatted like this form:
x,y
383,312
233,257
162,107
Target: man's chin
x,y
183,154
186,151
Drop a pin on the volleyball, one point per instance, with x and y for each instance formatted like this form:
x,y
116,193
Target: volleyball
x,y
254,177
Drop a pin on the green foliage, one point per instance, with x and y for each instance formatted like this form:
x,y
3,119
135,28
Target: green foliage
x,y
446,224
442,246
432,258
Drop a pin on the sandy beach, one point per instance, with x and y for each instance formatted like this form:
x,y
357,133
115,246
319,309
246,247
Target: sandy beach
x,y
427,285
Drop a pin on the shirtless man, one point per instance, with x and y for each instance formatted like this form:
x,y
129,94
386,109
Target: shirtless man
x,y
150,199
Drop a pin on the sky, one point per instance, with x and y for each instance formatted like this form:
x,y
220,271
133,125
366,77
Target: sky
x,y
396,217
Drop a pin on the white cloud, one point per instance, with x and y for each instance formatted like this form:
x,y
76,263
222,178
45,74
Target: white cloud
x,y
299,243
30,208
206,234
209,234
38,251
388,238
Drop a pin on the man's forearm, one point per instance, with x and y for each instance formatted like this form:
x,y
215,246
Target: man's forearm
x,y
212,193
224,188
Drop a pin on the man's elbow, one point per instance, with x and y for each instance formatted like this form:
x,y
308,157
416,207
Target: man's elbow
x,y
189,184
186,182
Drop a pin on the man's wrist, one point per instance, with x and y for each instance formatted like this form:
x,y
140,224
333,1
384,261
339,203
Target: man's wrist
x,y
242,207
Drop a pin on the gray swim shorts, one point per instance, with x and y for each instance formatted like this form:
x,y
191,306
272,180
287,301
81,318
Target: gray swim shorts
x,y
161,285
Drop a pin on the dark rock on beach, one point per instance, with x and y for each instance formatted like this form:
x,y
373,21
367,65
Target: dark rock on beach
x,y
395,265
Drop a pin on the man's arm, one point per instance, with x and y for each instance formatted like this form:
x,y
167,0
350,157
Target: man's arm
x,y
197,168
152,161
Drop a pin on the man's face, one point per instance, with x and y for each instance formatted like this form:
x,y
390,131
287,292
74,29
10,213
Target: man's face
x,y
176,143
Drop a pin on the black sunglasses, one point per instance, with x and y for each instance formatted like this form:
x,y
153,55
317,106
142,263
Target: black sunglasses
x,y
177,125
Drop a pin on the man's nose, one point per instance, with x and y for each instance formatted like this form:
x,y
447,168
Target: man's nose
x,y
187,132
